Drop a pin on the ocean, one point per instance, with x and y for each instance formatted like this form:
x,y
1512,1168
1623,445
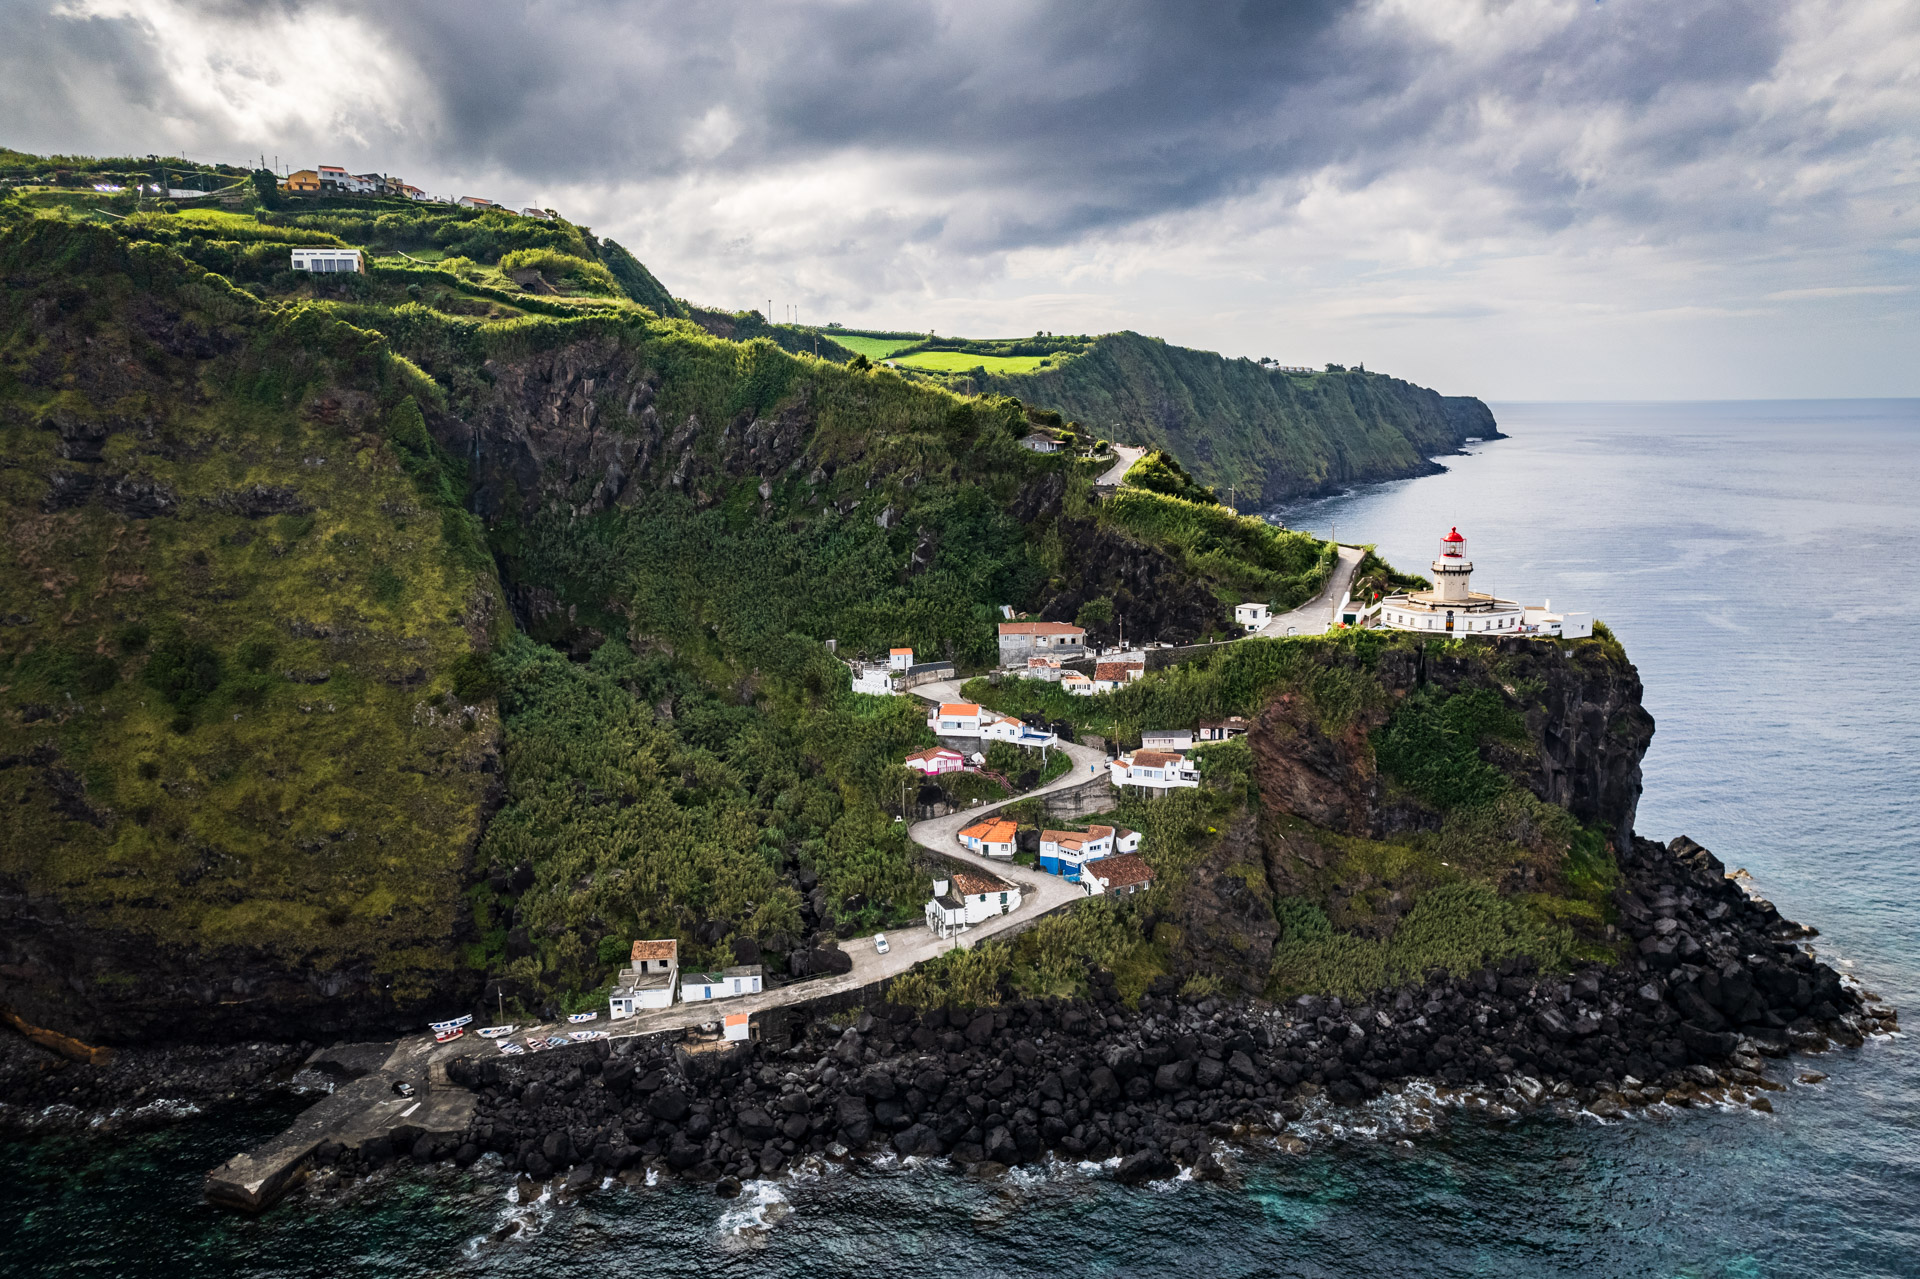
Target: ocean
x,y
1758,559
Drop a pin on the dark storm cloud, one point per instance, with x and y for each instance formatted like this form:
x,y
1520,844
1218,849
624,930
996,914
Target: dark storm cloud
x,y
1039,122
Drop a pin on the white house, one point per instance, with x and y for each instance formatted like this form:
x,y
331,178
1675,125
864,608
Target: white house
x,y
1039,443
967,899
1012,730
475,202
1540,619
1045,668
1021,640
541,214
332,175
1064,852
1111,676
1451,608
737,1027
728,983
1221,730
1251,617
1167,739
899,659
994,837
1160,771
648,980
327,261
935,760
958,719
1125,841
1118,876
1077,684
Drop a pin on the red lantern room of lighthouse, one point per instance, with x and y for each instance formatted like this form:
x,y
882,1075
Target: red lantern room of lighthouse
x,y
1452,570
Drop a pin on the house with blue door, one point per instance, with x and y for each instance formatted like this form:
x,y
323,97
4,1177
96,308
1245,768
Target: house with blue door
x,y
728,983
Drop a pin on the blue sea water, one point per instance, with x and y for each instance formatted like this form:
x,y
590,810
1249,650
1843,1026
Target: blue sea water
x,y
1760,562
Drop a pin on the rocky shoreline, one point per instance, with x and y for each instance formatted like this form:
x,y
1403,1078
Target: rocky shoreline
x,y
1715,983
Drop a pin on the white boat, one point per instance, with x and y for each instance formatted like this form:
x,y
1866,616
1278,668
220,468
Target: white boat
x,y
496,1032
448,1035
456,1023
577,1018
510,1048
586,1036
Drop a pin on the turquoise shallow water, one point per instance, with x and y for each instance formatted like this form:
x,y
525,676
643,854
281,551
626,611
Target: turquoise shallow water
x,y
1757,559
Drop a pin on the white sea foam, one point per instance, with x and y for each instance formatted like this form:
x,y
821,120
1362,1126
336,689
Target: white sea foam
x,y
762,1205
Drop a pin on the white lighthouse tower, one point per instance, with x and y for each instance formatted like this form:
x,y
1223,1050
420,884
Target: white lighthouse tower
x,y
1452,568
1452,607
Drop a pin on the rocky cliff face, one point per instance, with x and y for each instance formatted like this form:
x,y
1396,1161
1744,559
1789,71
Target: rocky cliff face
x,y
1585,734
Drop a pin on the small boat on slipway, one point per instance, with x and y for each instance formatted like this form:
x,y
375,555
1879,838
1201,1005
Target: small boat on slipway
x,y
577,1018
448,1035
453,1023
496,1032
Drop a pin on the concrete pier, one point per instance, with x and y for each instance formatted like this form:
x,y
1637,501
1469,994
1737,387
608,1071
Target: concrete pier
x,y
356,1112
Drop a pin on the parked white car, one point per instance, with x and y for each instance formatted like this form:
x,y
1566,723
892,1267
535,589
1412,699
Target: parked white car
x,y
880,943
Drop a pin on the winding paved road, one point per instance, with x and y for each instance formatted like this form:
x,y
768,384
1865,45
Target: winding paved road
x,y
1315,617
1112,476
1039,893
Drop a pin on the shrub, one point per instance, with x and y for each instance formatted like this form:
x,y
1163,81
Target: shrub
x,y
132,637
576,274
1432,746
184,672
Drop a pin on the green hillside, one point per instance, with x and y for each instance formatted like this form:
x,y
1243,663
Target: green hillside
x,y
377,640
1248,430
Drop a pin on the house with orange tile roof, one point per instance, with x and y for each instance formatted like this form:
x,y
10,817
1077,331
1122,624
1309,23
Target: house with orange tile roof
x,y
647,982
1118,876
899,659
993,837
1065,852
958,719
1108,676
1155,772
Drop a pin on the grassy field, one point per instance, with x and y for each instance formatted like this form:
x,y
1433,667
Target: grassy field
x,y
964,361
872,348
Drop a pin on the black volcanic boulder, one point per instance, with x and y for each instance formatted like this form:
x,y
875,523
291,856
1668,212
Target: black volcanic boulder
x,y
916,1140
823,960
669,1104
854,1120
1143,1166
755,1124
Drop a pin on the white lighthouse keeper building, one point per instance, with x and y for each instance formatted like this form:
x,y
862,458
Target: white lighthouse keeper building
x,y
1452,607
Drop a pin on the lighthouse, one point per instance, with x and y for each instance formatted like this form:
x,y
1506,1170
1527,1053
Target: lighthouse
x,y
1452,568
1452,607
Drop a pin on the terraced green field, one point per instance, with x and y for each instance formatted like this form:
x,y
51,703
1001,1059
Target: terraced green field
x,y
872,348
962,361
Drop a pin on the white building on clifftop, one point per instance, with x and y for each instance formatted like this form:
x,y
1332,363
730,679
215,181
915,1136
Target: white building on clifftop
x,y
1450,607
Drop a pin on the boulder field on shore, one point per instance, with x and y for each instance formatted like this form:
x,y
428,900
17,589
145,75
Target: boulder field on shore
x,y
1716,981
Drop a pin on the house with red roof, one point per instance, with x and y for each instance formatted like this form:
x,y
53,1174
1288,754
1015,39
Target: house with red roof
x,y
1119,876
1021,640
935,760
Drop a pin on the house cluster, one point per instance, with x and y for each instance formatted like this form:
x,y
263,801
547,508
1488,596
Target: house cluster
x,y
331,179
653,977
1101,859
1163,763
1020,641
971,720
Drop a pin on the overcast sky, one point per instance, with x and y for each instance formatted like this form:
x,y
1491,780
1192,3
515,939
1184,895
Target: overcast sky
x,y
1535,199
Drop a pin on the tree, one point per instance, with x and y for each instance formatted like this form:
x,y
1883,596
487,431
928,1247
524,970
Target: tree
x,y
1094,613
267,187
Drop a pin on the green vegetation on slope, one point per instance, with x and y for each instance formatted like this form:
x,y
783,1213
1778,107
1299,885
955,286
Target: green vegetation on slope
x,y
239,589
963,362
1267,434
